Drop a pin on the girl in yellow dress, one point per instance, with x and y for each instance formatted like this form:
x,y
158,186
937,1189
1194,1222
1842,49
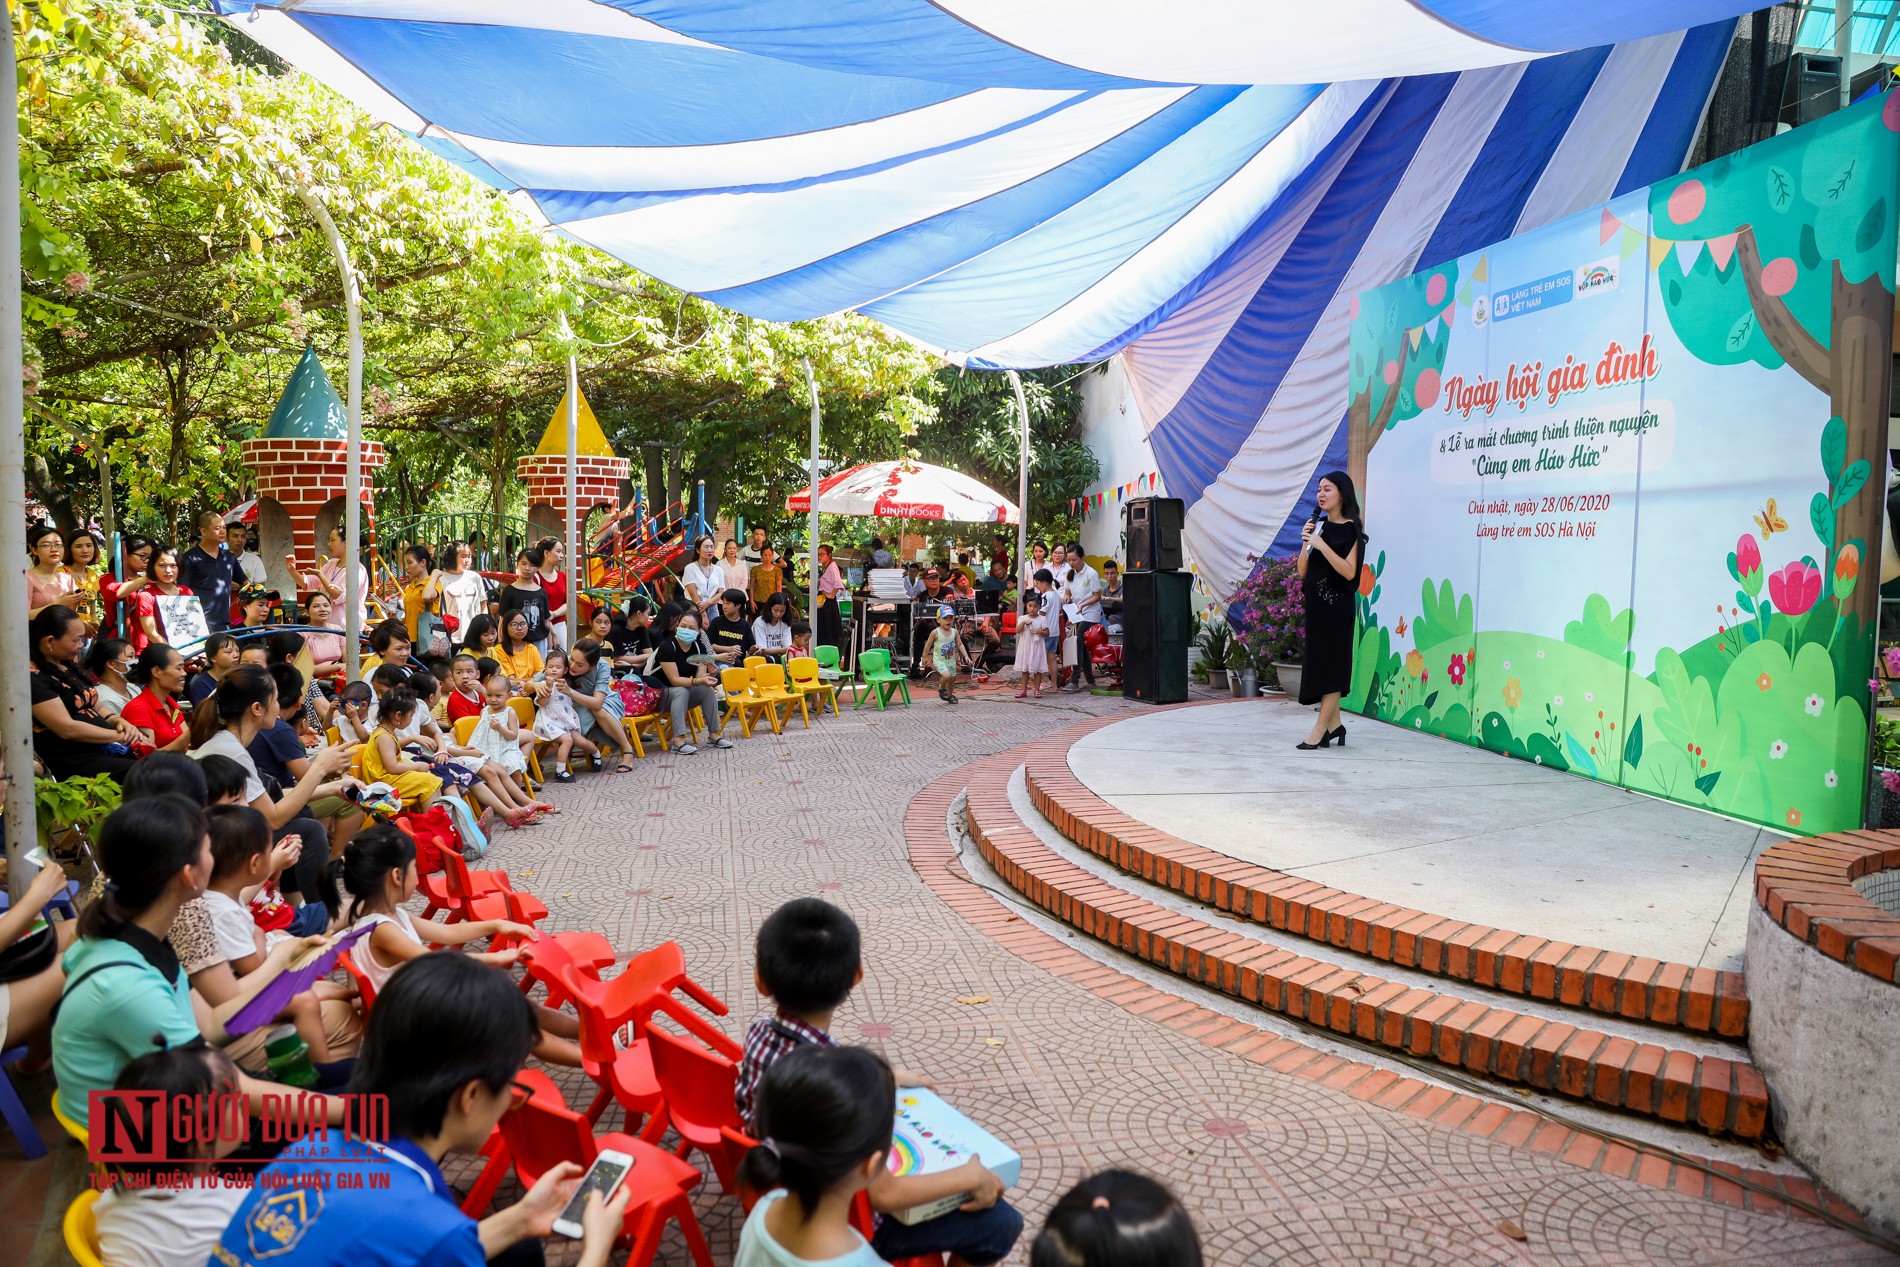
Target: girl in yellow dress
x,y
383,760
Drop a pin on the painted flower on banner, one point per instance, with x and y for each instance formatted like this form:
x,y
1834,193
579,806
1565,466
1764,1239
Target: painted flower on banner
x,y
1558,702
1513,693
1457,670
1814,705
1846,570
1367,579
1778,749
1794,817
1764,682
1748,563
1830,779
1415,663
1795,588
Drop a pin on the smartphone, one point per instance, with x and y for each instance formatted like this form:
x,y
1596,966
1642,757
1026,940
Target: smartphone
x,y
604,1177
36,862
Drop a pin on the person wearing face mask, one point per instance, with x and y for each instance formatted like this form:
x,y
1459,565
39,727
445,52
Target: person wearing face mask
x,y
109,661
686,685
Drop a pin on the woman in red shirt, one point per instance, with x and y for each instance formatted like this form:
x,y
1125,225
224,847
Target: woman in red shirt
x,y
161,671
113,591
146,625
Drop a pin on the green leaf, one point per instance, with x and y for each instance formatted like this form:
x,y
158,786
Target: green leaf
x,y
1706,784
1744,602
1780,188
1851,482
1633,746
1580,758
1430,700
1821,516
1739,333
1871,224
1833,448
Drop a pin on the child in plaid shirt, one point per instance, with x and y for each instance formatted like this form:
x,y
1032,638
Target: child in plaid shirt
x,y
808,960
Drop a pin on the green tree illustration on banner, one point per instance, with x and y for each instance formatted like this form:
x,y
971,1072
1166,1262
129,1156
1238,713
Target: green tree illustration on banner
x,y
1785,257
1399,339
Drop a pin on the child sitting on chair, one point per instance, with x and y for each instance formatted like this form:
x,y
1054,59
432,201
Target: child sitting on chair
x,y
465,689
559,723
1117,1219
242,861
807,963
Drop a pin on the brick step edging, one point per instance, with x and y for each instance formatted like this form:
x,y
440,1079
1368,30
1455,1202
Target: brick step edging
x,y
1701,1000
934,857
1720,1096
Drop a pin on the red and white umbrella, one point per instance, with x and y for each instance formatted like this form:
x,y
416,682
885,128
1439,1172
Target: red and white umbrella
x,y
243,512
906,490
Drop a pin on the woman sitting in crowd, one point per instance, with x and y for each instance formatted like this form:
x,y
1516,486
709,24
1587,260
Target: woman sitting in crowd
x,y
589,685
517,655
159,677
47,580
772,629
85,563
685,685
70,735
109,661
481,636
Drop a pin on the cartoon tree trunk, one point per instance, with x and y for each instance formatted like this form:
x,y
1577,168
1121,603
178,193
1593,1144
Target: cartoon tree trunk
x,y
1397,356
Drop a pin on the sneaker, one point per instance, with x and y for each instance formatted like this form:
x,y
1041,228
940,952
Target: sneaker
x,y
1073,686
722,742
687,749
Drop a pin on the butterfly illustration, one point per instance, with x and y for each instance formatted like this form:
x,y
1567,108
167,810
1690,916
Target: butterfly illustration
x,y
1401,629
1769,522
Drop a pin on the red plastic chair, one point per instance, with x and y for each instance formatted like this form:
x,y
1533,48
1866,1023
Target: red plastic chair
x,y
645,987
541,1132
365,990
452,889
1104,658
698,1087
863,1220
548,956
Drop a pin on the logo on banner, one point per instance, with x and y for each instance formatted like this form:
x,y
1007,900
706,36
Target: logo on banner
x,y
1500,305
1597,278
1480,311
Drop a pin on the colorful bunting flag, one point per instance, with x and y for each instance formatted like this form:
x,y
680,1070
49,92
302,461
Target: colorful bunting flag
x,y
1607,227
1687,252
1629,244
1721,250
1483,270
1658,248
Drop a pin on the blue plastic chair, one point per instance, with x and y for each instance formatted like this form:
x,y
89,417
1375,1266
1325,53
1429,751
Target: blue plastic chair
x,y
64,904
14,1109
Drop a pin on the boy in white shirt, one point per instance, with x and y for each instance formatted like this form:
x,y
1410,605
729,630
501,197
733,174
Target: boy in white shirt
x,y
242,859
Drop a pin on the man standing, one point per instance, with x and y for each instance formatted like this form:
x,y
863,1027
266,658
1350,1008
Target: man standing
x,y
754,553
209,571
767,577
1083,591
244,543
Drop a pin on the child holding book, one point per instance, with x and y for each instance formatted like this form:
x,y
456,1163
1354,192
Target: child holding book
x,y
824,1116
242,861
807,962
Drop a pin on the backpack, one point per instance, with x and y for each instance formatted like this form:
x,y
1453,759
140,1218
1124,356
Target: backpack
x,y
468,829
433,830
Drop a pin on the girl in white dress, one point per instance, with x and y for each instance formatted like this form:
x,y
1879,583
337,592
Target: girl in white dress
x,y
497,734
559,722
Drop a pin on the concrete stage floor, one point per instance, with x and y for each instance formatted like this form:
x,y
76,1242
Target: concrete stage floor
x,y
1437,826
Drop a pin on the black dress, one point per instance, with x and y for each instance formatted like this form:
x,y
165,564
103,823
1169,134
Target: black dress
x,y
1329,617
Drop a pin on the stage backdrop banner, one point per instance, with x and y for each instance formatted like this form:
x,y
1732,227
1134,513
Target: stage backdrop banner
x,y
1624,478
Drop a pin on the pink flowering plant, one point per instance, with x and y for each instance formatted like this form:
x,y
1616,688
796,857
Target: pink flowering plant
x,y
1269,610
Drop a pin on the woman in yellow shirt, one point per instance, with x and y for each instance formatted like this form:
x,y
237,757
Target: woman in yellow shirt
x,y
518,658
421,604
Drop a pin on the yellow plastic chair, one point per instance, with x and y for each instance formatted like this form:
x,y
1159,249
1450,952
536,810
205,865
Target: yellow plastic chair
x,y
741,700
82,1234
524,716
658,723
805,680
754,661
465,729
66,1121
768,682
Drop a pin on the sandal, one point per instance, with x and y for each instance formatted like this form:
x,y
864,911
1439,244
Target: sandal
x,y
623,768
1022,694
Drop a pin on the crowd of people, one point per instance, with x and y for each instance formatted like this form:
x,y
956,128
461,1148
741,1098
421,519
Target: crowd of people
x,y
252,774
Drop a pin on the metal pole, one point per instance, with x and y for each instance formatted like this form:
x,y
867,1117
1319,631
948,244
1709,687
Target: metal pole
x,y
1844,47
353,456
16,703
1022,494
573,495
811,568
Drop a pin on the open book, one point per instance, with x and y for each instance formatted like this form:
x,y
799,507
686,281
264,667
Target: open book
x,y
304,969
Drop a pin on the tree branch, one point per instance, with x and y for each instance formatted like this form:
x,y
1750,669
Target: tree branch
x,y
1789,338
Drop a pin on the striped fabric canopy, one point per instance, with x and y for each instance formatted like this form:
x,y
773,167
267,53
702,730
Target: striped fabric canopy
x,y
1014,184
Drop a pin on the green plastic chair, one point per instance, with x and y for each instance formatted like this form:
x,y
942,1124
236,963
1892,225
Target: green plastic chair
x,y
826,655
874,668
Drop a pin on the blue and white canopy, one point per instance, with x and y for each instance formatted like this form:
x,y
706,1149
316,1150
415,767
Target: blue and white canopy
x,y
1017,184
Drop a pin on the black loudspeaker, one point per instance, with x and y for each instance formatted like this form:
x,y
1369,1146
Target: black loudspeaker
x,y
1153,525
1157,621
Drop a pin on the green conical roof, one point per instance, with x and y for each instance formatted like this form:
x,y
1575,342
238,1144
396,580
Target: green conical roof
x,y
309,408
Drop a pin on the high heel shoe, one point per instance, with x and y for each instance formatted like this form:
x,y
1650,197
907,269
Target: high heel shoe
x,y
1338,732
1324,742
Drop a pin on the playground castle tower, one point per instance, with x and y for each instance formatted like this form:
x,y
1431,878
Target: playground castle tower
x,y
599,471
300,464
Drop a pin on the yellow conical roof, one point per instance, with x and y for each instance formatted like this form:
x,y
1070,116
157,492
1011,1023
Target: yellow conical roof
x,y
590,440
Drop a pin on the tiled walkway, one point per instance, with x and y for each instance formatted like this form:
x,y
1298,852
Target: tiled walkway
x,y
1275,1167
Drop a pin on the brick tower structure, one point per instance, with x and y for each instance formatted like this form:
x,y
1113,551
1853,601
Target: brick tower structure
x,y
300,464
599,472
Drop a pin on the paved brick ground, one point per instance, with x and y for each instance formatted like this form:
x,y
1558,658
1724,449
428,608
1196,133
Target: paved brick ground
x,y
1277,1168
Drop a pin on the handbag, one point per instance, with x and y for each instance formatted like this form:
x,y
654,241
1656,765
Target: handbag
x,y
29,956
637,696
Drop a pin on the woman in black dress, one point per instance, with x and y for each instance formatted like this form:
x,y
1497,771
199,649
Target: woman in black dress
x,y
1330,551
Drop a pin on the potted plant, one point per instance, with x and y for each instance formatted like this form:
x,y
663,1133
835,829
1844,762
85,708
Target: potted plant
x,y
1883,788
1216,642
65,809
1271,610
1239,669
